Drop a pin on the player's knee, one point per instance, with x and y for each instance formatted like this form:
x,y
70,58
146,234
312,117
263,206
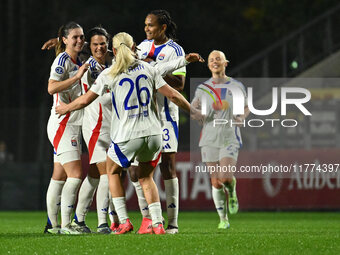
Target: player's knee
x,y
113,170
168,170
133,174
93,171
216,183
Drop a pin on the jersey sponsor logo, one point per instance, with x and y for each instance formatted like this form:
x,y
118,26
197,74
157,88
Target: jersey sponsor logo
x,y
161,56
74,142
59,70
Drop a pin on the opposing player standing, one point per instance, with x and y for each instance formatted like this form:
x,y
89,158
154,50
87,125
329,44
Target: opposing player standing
x,y
64,133
220,144
136,132
158,49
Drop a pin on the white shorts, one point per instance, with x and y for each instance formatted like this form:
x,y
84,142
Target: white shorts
x,y
144,149
213,154
97,144
66,157
170,136
65,140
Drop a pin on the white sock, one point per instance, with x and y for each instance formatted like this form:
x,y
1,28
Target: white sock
x,y
68,197
172,193
156,213
112,212
220,202
102,199
143,205
85,197
120,206
53,197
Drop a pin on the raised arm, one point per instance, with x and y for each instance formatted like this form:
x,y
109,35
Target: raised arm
x,y
50,44
172,65
175,97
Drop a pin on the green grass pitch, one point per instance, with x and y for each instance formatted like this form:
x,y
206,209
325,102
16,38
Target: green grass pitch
x,y
250,233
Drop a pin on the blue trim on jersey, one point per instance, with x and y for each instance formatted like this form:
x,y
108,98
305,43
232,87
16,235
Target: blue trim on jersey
x,y
157,51
177,48
79,63
122,158
114,104
168,117
237,137
63,59
93,64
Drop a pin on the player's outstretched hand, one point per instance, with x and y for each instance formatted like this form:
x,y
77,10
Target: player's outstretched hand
x,y
61,109
196,114
50,44
194,57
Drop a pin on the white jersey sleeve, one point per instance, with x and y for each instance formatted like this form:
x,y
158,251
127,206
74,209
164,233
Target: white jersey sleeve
x,y
171,66
100,86
60,68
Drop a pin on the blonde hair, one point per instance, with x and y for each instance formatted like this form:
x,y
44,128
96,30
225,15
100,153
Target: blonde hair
x,y
221,53
125,57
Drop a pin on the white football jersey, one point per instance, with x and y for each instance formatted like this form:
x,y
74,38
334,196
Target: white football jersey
x,y
100,108
134,111
62,69
163,53
222,134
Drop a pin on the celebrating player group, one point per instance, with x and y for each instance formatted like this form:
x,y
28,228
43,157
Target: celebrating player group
x,y
124,103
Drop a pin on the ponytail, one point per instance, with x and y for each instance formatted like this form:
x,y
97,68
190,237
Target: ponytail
x,y
125,57
60,47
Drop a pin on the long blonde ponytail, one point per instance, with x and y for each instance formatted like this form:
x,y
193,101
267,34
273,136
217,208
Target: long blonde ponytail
x,y
125,57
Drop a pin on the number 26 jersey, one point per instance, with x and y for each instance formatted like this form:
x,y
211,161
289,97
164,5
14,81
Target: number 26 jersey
x,y
134,110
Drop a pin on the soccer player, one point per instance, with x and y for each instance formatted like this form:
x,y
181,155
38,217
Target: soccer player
x,y
96,133
158,49
135,127
64,133
91,183
220,144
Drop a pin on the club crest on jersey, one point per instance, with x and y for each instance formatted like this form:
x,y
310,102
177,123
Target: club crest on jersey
x,y
94,75
59,70
161,56
74,142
